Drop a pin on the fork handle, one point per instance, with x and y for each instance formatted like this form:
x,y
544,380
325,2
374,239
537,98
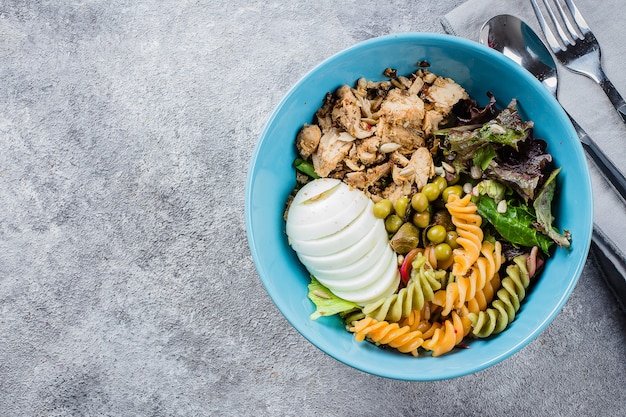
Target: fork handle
x,y
610,172
612,262
616,99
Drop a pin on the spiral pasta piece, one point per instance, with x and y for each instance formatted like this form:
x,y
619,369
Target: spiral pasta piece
x,y
490,261
419,290
419,320
503,309
384,333
486,268
450,335
467,221
465,288
483,297
416,317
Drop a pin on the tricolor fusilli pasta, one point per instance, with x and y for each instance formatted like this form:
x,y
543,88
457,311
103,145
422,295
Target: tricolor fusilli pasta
x,y
503,309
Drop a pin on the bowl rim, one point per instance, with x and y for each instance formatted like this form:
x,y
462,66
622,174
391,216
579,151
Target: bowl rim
x,y
510,65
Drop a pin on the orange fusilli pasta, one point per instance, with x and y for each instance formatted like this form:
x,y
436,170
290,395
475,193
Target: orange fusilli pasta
x,y
467,221
449,335
483,297
419,320
384,333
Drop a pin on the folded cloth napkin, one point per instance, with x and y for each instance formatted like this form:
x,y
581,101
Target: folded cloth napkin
x,y
582,97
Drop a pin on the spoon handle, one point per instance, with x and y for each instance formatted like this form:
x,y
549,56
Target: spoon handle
x,y
610,172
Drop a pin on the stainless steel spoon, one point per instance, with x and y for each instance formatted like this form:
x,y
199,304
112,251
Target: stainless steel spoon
x,y
516,40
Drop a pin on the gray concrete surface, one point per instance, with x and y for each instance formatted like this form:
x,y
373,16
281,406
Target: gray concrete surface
x,y
126,283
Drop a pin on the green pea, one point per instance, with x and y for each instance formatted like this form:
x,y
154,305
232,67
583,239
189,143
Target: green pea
x,y
393,223
431,191
443,252
383,208
419,202
421,219
436,234
440,182
401,205
451,237
453,189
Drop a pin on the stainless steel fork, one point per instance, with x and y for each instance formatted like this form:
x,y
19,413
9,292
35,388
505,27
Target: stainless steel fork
x,y
577,48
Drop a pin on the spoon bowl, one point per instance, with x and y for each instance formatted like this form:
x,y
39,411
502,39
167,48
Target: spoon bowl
x,y
516,40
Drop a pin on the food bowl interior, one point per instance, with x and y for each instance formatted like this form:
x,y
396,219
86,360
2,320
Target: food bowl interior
x,y
478,69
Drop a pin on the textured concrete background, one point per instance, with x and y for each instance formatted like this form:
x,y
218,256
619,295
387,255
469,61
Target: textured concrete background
x,y
126,284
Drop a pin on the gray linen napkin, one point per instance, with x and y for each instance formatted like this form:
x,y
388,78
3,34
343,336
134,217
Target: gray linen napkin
x,y
582,98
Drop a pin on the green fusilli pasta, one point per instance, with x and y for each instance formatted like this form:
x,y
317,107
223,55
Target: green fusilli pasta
x,y
420,289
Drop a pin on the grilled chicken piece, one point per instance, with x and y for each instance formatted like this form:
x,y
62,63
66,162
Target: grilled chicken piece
x,y
365,179
402,108
367,151
409,139
417,171
422,163
431,121
333,148
445,93
308,139
347,114
395,191
417,85
401,116
324,120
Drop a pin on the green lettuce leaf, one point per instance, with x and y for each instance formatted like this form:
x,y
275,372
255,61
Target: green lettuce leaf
x,y
305,167
492,188
327,303
516,225
484,156
543,209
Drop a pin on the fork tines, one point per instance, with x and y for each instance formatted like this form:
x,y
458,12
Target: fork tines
x,y
576,28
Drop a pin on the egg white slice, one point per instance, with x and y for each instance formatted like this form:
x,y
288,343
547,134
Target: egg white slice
x,y
314,214
349,255
385,286
360,266
361,280
341,240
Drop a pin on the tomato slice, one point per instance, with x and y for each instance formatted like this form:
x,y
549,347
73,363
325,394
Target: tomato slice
x,y
407,264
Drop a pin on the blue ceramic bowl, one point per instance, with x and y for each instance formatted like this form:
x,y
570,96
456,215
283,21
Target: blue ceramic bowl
x,y
478,69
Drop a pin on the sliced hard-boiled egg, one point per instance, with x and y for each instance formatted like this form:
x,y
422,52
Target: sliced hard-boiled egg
x,y
384,286
351,253
322,208
360,280
332,228
345,237
359,266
